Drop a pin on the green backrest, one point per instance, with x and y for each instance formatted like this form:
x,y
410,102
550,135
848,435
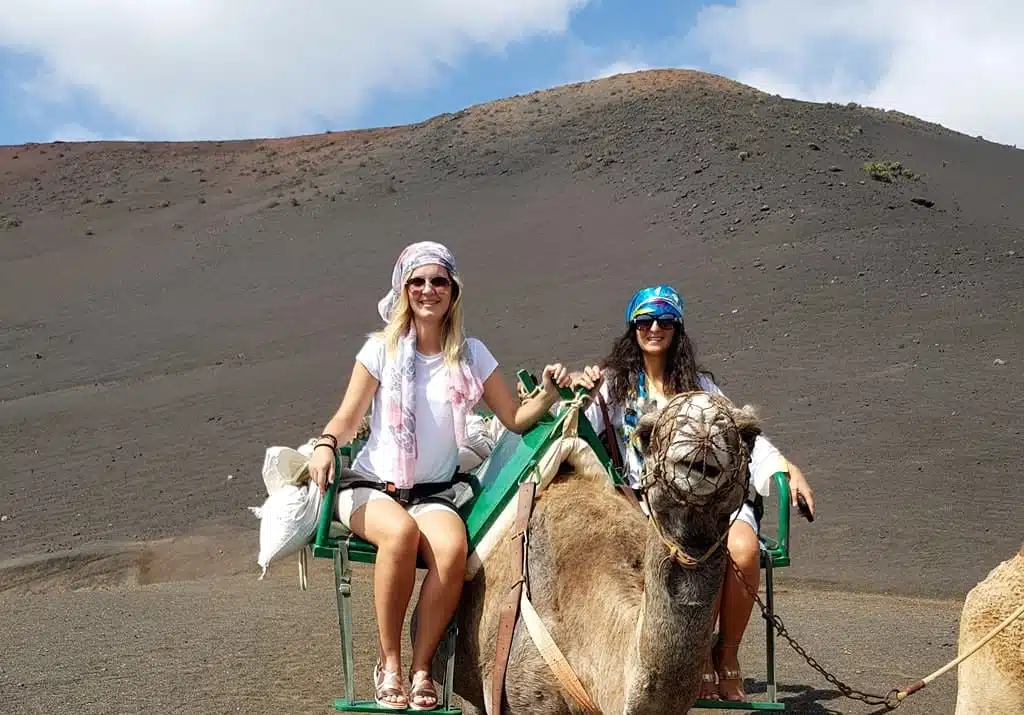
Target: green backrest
x,y
512,461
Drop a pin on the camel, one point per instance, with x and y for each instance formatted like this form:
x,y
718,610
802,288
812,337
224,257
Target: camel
x,y
991,681
633,623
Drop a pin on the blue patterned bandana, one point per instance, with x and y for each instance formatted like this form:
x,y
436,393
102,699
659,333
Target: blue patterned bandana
x,y
655,301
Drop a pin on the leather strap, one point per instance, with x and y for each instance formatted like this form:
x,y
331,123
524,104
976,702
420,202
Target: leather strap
x,y
553,656
612,445
510,608
610,442
627,491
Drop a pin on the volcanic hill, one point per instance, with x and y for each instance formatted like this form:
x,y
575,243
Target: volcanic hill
x,y
169,310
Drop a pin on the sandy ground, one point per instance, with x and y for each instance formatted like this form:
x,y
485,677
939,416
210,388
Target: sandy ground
x,y
234,644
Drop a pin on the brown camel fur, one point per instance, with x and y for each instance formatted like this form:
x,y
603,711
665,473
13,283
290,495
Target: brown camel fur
x,y
992,680
635,625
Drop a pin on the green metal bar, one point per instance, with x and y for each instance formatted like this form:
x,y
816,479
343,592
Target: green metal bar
x,y
450,639
769,630
527,380
369,706
343,591
759,705
778,548
323,526
586,430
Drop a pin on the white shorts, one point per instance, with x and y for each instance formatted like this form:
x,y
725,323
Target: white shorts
x,y
745,514
348,500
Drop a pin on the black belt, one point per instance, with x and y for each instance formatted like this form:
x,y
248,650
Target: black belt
x,y
408,494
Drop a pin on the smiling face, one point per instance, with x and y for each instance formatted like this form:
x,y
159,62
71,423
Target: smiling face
x,y
430,291
654,336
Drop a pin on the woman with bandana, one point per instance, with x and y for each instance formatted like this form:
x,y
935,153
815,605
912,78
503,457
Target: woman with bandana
x,y
422,376
652,361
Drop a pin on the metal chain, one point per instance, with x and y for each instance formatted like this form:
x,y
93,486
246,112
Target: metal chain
x,y
889,700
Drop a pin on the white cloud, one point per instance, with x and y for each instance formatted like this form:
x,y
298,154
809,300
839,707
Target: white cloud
x,y
949,61
619,67
74,133
189,69
77,133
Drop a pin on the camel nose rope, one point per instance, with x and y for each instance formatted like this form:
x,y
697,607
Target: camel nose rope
x,y
910,690
675,552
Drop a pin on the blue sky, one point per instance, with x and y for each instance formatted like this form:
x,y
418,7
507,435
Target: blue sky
x,y
600,34
188,70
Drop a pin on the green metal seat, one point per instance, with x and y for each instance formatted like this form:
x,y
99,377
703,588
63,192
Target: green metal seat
x,y
495,482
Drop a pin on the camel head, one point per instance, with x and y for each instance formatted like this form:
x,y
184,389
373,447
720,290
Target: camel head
x,y
697,451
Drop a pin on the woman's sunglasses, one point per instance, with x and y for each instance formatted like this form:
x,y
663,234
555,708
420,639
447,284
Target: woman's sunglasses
x,y
435,281
665,322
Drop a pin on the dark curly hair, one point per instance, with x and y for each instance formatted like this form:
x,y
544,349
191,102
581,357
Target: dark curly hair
x,y
625,362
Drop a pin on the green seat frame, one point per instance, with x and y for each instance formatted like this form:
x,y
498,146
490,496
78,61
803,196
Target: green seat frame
x,y
495,483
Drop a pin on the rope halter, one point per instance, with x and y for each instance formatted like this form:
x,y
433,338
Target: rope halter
x,y
695,455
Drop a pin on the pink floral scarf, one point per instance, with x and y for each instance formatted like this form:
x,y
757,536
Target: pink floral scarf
x,y
398,380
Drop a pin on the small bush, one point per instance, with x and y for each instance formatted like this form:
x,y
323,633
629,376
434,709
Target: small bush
x,y
7,222
888,171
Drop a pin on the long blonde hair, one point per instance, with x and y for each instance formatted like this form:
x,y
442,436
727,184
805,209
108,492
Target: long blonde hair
x,y
453,339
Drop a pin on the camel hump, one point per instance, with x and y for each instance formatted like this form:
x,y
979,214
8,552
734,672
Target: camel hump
x,y
992,680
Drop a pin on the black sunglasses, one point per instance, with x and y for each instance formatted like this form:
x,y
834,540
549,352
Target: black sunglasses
x,y
664,322
435,281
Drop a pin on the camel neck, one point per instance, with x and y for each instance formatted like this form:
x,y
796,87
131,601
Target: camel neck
x,y
679,604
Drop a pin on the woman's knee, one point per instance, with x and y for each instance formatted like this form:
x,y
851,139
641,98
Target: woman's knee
x,y
450,552
444,542
744,547
396,531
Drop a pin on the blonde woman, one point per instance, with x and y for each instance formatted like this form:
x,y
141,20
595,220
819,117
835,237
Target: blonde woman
x,y
422,376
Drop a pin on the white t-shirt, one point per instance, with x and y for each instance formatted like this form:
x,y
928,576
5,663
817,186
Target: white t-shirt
x,y
438,453
765,459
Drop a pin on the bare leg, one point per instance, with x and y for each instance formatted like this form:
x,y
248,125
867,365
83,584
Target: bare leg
x,y
736,605
386,525
444,549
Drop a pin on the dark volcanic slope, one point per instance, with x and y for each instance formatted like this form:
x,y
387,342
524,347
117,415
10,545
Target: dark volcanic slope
x,y
168,311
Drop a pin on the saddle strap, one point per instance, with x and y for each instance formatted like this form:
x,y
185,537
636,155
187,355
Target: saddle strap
x,y
518,598
510,608
553,656
610,443
627,491
612,446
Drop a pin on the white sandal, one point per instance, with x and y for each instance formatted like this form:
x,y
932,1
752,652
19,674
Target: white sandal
x,y
422,686
388,684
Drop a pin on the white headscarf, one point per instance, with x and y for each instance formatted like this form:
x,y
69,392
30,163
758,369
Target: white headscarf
x,y
424,253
